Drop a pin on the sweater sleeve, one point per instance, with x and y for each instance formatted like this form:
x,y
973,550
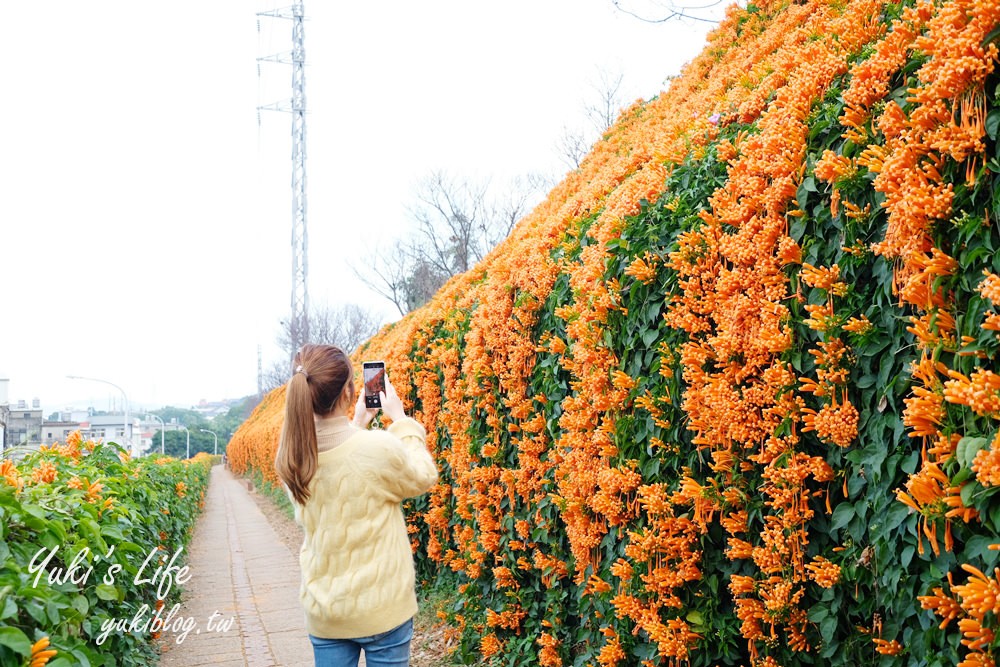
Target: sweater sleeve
x,y
408,469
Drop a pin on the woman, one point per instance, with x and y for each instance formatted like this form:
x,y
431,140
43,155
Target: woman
x,y
346,483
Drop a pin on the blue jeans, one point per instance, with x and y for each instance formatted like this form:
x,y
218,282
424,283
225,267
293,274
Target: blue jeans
x,y
389,649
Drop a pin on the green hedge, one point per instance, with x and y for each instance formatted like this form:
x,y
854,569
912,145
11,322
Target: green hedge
x,y
108,513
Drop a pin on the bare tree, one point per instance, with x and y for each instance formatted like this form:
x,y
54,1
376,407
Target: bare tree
x,y
452,222
607,102
601,111
346,326
572,147
661,11
388,273
456,223
276,375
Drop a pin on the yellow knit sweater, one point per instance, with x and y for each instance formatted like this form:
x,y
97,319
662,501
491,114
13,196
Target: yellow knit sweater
x,y
357,565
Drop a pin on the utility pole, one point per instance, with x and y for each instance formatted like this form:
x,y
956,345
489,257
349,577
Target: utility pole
x,y
4,412
299,322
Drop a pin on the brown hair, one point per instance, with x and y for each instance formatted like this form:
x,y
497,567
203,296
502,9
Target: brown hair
x,y
321,373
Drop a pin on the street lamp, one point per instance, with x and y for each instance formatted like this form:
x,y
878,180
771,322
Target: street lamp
x,y
205,430
4,412
128,440
162,428
188,440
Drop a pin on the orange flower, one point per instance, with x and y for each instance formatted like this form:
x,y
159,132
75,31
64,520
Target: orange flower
x,y
837,424
489,645
611,653
642,269
94,491
990,287
980,391
41,653
887,647
832,167
823,278
858,325
548,656
10,474
43,473
823,572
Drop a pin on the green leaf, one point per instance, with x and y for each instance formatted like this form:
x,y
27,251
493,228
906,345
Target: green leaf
x,y
967,491
649,337
107,592
695,618
827,627
993,118
994,518
978,546
15,640
818,613
961,476
842,516
991,36
967,449
8,609
112,531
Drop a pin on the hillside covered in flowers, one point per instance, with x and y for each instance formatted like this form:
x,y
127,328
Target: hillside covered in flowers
x,y
729,395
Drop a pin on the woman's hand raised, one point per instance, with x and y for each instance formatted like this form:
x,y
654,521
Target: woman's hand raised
x,y
392,406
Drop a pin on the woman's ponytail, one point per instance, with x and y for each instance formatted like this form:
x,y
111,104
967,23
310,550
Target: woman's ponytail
x,y
321,373
297,453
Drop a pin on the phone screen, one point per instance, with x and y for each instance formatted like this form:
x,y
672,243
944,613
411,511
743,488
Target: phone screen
x,y
374,376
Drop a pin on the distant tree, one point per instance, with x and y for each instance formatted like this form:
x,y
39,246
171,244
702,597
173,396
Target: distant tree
x,y
346,326
387,272
227,424
175,443
184,416
661,11
601,111
456,222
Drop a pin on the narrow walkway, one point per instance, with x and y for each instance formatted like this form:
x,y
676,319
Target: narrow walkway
x,y
244,584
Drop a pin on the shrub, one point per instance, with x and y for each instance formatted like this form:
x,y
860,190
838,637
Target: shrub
x,y
90,504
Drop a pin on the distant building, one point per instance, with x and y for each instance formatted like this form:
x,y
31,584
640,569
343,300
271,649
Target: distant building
x,y
57,431
4,411
24,425
111,428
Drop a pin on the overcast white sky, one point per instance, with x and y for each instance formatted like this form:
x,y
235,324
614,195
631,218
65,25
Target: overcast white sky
x,y
145,215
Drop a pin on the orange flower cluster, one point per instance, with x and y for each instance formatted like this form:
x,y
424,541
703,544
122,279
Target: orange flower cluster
x,y
464,363
642,268
255,443
969,605
733,307
10,474
41,653
548,656
946,123
980,391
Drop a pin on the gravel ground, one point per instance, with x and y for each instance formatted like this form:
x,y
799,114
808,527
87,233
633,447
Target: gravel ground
x,y
428,648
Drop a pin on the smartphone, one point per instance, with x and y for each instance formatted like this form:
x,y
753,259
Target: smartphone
x,y
374,376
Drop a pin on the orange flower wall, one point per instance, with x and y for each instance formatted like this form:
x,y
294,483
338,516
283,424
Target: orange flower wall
x,y
729,394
